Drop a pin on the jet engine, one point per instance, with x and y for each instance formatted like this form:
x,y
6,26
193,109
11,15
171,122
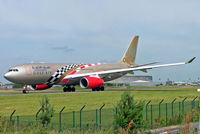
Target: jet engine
x,y
91,82
38,87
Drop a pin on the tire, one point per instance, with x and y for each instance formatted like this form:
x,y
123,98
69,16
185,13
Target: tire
x,y
98,89
93,89
102,88
73,89
24,91
64,89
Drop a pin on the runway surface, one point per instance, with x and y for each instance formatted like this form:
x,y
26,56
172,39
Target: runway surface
x,y
18,92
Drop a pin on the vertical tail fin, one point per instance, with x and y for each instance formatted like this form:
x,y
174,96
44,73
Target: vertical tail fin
x,y
130,55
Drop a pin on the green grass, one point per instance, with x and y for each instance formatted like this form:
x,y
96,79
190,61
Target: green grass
x,y
29,104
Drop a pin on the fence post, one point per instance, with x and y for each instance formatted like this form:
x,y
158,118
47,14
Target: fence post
x,y
96,119
151,116
160,108
116,111
166,115
183,104
73,119
36,115
81,114
193,105
172,104
17,123
147,109
193,101
60,118
100,114
179,107
12,115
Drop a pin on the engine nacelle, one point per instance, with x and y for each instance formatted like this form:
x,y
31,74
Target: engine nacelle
x,y
91,82
38,87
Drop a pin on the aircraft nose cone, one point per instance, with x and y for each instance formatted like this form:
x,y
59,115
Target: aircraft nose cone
x,y
6,75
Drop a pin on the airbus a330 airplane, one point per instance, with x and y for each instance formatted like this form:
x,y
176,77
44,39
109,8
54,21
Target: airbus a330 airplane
x,y
41,76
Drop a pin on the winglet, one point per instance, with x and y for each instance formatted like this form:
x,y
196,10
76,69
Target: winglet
x,y
191,60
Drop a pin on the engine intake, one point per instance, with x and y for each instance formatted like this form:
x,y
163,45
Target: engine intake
x,y
91,82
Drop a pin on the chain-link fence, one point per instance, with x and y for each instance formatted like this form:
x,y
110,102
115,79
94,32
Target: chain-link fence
x,y
154,115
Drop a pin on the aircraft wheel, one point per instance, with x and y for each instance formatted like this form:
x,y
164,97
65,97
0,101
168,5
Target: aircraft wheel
x,y
73,89
102,88
65,89
69,89
98,89
24,91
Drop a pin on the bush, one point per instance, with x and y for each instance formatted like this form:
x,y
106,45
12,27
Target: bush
x,y
17,86
159,122
47,111
128,109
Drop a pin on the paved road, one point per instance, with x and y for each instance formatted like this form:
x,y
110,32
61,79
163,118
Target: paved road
x,y
176,129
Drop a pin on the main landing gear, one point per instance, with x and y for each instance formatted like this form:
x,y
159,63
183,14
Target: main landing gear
x,y
69,89
98,88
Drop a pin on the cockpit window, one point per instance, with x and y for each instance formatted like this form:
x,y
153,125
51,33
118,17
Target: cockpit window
x,y
13,70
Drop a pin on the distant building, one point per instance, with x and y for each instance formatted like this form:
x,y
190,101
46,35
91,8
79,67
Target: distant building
x,y
168,83
195,83
1,84
180,83
130,79
7,86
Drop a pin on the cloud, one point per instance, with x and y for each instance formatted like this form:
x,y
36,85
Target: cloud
x,y
63,48
168,30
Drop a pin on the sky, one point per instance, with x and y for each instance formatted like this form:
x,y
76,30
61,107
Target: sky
x,y
91,31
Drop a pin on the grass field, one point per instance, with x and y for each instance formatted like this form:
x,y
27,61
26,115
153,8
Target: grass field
x,y
29,104
26,105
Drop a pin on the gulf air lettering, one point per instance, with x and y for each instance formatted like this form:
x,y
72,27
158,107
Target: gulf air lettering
x,y
41,70
41,67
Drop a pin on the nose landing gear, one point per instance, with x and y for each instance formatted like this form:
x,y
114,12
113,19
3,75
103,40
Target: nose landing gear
x,y
25,89
69,89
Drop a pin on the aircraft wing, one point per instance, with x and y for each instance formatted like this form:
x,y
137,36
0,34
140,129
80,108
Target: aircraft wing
x,y
139,68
